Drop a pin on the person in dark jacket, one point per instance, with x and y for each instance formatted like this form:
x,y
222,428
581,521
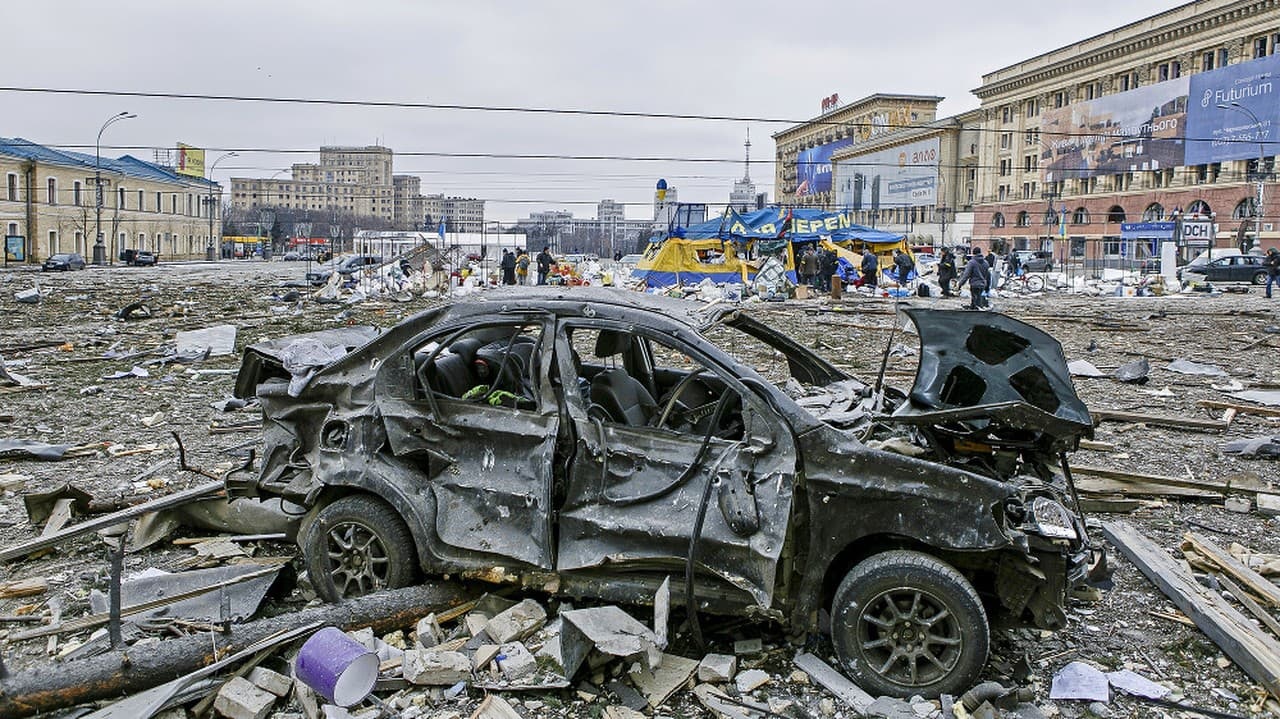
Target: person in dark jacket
x,y
946,271
870,268
978,276
544,265
809,268
826,268
1272,263
508,266
903,266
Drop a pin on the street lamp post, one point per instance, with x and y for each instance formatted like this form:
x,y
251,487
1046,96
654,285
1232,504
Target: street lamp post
x,y
99,247
1262,153
209,253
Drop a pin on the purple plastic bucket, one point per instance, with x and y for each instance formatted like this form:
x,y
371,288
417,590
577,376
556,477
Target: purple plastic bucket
x,y
338,667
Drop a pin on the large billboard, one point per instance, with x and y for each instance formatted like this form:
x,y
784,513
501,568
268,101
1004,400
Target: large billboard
x,y
1142,129
902,176
190,161
1216,134
813,167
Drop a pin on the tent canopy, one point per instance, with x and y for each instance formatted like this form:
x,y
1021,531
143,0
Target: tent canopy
x,y
796,224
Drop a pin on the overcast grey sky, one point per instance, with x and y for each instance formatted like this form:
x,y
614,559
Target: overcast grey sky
x,y
748,58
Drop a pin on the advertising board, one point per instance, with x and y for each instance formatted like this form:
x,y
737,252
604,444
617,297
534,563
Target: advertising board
x,y
190,161
1142,129
1250,93
813,167
902,176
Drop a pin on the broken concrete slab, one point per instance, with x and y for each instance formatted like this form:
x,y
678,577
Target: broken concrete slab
x,y
217,340
515,662
607,629
1078,680
751,679
717,668
834,682
29,296
484,654
240,699
1268,504
429,632
271,681
435,668
517,622
744,647
659,683
1084,368
242,597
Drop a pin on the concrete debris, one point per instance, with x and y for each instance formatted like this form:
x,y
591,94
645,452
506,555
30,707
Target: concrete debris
x,y
717,668
135,372
608,630
1185,366
428,632
29,296
274,682
1135,372
751,679
1255,447
432,667
1084,368
743,647
515,662
1271,398
213,341
240,699
517,622
1078,680
659,683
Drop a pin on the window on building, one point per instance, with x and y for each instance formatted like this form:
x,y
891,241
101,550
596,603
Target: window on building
x,y
1133,80
120,198
1080,216
1002,193
141,200
1028,190
1275,42
189,204
1032,107
1199,174
51,191
1032,137
1153,213
159,205
1199,207
1260,47
1050,218
13,228
53,248
1175,69
1245,209
1162,72
1060,98
997,220
1006,167
1112,246
75,192
1224,57
142,240
1115,215
1124,83
1024,219
1030,163
1206,61
12,188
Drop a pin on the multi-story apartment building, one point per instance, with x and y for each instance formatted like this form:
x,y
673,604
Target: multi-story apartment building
x,y
460,214
803,162
351,180
409,206
921,181
1162,129
47,205
608,211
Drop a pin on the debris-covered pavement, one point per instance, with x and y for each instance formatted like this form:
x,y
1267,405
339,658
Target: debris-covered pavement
x,y
103,371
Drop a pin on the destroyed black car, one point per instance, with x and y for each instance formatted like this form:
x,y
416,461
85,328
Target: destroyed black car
x,y
593,443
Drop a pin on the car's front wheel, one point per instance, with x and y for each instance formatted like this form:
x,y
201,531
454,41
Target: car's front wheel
x,y
358,545
905,623
1260,278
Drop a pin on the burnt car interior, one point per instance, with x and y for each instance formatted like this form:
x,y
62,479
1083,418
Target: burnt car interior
x,y
485,364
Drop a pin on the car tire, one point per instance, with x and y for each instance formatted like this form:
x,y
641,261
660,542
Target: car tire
x,y
1260,278
357,545
905,623
1035,283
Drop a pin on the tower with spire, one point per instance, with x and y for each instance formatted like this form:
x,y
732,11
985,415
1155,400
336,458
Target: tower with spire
x,y
743,196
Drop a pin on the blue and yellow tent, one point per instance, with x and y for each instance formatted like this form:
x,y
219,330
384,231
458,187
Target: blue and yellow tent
x,y
731,247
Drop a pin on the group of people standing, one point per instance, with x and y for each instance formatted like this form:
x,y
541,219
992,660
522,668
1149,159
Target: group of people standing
x,y
515,266
817,265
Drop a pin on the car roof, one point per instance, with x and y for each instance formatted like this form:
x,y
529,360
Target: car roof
x,y
576,300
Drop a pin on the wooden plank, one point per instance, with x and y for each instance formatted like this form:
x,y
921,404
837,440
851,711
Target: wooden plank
x,y
201,491
23,587
1255,582
1157,479
1248,602
1239,408
1111,415
1257,653
1114,488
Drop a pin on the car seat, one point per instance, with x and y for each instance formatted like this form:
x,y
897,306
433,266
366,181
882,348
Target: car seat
x,y
452,371
622,398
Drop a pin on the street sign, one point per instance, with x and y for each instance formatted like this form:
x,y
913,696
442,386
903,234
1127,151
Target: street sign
x,y
1197,230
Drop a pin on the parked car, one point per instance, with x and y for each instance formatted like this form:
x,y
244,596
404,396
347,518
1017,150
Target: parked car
x,y
1035,260
630,261
1233,268
64,261
596,443
346,266
145,258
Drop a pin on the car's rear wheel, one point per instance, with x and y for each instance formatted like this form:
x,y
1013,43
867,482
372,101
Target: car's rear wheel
x,y
1260,278
358,545
905,623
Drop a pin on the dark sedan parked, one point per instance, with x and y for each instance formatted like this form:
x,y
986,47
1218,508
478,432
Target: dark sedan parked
x,y
64,261
1236,268
596,443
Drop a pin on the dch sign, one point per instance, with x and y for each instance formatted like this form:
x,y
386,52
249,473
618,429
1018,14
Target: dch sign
x,y
1197,231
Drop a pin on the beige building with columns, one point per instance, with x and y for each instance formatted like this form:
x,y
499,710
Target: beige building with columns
x,y
47,199
1124,127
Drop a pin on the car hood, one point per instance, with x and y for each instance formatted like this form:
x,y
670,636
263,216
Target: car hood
x,y
999,379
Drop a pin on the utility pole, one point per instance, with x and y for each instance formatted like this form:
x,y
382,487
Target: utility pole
x,y
1247,244
99,247
209,253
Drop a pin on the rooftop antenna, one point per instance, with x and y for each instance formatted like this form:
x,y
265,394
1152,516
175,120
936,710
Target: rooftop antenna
x,y
746,165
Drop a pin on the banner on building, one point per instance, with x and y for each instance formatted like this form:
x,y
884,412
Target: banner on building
x,y
813,167
190,161
1134,131
1235,112
902,176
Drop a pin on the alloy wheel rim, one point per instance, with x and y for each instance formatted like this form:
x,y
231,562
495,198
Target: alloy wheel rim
x,y
358,559
909,637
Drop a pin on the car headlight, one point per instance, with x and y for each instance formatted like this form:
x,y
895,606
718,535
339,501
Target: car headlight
x,y
1052,519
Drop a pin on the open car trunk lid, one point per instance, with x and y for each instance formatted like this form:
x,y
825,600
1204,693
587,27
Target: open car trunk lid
x,y
264,360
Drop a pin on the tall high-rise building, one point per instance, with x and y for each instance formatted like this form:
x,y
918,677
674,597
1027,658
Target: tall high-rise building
x,y
743,196
608,210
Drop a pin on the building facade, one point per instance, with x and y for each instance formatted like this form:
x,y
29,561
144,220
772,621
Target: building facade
x,y
460,214
609,211
47,205
356,181
803,151
1161,126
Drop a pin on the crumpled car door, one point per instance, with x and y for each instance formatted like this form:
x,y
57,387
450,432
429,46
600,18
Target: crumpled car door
x,y
625,505
489,468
